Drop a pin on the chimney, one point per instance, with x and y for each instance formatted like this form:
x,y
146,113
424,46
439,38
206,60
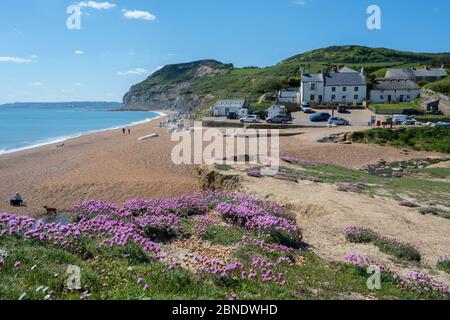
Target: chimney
x,y
442,67
362,70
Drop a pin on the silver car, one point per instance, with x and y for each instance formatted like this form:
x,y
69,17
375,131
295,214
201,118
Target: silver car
x,y
338,121
250,119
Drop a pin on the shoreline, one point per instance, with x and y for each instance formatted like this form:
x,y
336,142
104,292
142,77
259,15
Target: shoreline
x,y
56,140
105,166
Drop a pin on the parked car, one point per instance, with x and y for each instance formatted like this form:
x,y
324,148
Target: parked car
x,y
306,108
400,118
413,112
410,122
250,119
442,124
281,118
232,116
342,109
338,121
320,117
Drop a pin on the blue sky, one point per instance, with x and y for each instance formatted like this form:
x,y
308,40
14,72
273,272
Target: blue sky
x,y
122,41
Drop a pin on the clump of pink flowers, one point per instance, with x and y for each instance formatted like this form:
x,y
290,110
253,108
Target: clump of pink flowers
x,y
358,260
347,187
408,204
254,172
424,283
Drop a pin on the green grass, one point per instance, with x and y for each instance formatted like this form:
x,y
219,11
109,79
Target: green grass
x,y
389,246
393,108
444,265
109,274
223,235
423,138
421,189
442,86
441,173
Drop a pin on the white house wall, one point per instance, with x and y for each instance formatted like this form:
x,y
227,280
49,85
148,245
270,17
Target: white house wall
x,y
348,96
306,91
381,96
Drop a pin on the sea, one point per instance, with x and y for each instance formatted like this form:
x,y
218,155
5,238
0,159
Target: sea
x,y
25,126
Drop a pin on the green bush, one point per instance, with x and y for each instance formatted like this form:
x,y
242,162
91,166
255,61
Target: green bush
x,y
397,249
419,138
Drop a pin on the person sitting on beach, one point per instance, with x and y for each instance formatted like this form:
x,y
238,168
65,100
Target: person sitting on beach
x,y
16,200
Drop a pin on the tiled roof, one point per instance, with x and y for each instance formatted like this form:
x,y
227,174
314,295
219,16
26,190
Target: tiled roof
x,y
400,74
345,79
394,84
312,77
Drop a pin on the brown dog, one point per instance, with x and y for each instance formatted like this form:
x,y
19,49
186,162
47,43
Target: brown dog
x,y
51,211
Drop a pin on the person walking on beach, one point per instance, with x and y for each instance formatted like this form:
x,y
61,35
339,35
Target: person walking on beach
x,y
129,131
123,130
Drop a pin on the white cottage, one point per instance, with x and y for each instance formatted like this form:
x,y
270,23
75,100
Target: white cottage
x,y
291,95
346,86
394,90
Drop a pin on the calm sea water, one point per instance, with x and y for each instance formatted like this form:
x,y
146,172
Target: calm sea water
x,y
27,126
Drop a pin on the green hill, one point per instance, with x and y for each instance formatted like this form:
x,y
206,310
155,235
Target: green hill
x,y
193,86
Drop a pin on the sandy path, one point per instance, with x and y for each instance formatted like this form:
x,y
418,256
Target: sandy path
x,y
107,166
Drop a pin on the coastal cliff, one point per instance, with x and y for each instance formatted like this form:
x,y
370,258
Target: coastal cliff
x,y
172,87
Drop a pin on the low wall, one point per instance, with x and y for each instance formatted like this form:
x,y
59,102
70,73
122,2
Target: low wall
x,y
227,124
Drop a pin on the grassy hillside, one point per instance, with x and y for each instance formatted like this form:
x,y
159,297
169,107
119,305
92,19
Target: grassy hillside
x,y
226,81
442,86
426,138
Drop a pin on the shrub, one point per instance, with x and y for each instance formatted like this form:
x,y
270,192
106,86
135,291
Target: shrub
x,y
389,246
359,235
397,249
444,263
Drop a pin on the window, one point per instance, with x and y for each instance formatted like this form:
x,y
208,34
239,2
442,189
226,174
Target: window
x,y
333,89
344,89
356,89
381,97
313,86
333,97
356,97
408,97
313,97
344,98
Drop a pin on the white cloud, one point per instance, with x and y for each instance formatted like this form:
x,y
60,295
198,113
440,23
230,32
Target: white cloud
x,y
14,59
138,15
79,52
97,5
301,3
78,84
37,84
134,72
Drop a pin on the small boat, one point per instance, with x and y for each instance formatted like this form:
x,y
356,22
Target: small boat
x,y
150,136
